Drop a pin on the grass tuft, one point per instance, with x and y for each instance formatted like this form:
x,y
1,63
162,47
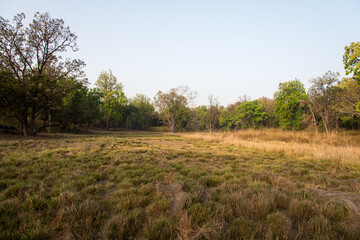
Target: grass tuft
x,y
161,228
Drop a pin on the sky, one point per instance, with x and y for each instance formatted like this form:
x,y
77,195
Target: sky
x,y
225,48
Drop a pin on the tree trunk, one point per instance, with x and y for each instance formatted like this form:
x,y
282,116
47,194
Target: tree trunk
x,y
21,128
24,122
172,128
50,122
314,118
31,128
325,122
337,125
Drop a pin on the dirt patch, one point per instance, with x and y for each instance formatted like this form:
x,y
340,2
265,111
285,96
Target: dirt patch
x,y
351,200
178,198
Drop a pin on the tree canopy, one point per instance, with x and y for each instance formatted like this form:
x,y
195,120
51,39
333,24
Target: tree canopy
x,y
351,60
289,104
322,98
34,77
112,95
173,105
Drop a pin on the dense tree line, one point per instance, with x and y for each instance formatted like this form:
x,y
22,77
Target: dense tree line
x,y
40,91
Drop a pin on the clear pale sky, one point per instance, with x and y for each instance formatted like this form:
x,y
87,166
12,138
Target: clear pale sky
x,y
227,48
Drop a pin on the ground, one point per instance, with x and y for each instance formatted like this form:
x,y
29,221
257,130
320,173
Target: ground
x,y
113,185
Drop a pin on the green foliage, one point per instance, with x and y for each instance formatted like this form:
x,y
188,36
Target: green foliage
x,y
173,106
80,107
247,114
201,116
351,60
267,105
75,104
93,100
289,106
213,112
33,77
227,119
348,100
251,115
113,96
141,112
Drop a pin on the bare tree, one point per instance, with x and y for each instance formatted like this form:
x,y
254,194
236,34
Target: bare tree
x,y
213,109
322,98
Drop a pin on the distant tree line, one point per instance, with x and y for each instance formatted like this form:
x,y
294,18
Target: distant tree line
x,y
41,91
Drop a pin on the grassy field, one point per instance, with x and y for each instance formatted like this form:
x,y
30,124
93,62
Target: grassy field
x,y
157,186
342,147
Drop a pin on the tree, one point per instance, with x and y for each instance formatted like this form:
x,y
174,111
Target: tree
x,y
267,105
348,98
74,107
33,75
93,110
201,117
143,112
213,111
80,107
289,106
322,98
351,60
227,119
112,95
250,115
172,106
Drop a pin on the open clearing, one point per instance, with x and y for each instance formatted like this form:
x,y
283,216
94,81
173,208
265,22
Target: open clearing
x,y
158,186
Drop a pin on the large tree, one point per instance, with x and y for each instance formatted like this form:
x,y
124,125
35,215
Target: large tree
x,y
227,119
112,95
34,77
351,60
173,106
288,107
143,112
251,115
322,98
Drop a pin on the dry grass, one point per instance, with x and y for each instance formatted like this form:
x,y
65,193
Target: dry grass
x,y
343,147
133,185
